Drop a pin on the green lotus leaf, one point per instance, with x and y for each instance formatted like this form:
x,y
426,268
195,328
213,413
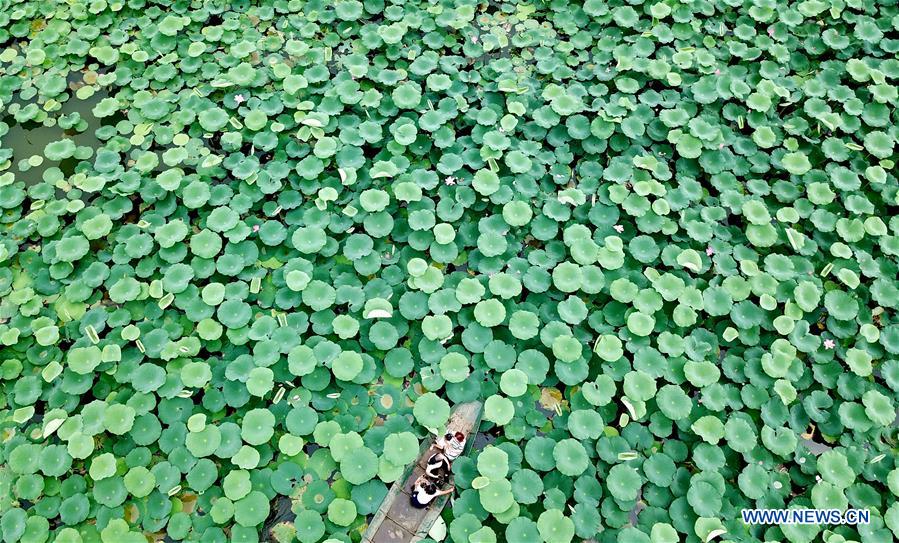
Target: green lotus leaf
x,y
252,509
639,386
257,426
835,469
841,305
139,481
514,382
499,410
54,461
624,482
493,463
796,163
585,424
72,248
401,448
489,313
102,466
555,527
342,512
118,419
407,95
571,457
347,365
359,466
431,410
497,496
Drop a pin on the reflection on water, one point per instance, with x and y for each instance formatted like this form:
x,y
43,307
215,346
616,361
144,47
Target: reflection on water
x,y
30,138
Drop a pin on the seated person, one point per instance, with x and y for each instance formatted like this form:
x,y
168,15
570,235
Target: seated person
x,y
438,468
424,491
452,445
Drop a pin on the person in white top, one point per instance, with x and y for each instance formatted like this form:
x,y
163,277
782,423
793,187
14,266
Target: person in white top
x,y
424,491
452,445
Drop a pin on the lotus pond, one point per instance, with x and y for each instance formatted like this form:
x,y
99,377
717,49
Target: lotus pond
x,y
252,253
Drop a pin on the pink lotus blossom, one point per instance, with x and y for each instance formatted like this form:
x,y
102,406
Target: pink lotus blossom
x,y
450,180
770,31
255,228
618,228
829,343
239,99
709,251
717,72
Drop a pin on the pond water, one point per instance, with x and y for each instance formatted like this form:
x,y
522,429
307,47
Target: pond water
x,y
27,140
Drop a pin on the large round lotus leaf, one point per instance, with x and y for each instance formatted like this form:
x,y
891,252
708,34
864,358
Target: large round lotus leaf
x,y
497,496
879,408
567,348
454,367
659,469
431,410
639,386
347,365
704,498
493,463
514,382
54,460
834,468
359,466
522,530
79,446
740,435
489,313
234,313
257,426
260,381
369,496
251,510
342,512
139,481
202,475
401,448
539,453
624,482
237,484
841,305
83,360
555,527
585,424
527,486
571,457
204,442
309,525
102,466
499,410
344,445
608,348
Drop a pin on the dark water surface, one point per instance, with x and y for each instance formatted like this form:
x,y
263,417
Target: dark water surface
x,y
29,138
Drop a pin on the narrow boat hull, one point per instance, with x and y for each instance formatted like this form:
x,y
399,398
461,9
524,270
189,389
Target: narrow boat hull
x,y
396,521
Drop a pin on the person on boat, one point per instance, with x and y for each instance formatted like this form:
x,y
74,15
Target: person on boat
x,y
452,445
438,468
425,491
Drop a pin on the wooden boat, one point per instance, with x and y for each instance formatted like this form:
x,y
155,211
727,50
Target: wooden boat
x,y
396,521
